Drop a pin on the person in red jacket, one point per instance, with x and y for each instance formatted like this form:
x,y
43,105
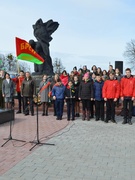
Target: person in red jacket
x,y
18,81
110,93
64,78
127,95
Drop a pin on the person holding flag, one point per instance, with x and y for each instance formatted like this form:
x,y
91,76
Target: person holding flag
x,y
18,81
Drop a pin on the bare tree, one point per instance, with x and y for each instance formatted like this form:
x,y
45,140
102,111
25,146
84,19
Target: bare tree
x,y
10,63
1,60
24,66
57,66
130,53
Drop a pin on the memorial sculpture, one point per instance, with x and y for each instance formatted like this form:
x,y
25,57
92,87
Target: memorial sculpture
x,y
43,32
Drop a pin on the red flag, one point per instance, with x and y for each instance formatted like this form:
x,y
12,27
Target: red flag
x,y
25,52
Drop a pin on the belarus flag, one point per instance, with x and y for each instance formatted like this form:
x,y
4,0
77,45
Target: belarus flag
x,y
25,52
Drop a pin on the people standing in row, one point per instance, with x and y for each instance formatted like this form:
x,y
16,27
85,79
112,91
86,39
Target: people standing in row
x,y
127,95
126,92
8,91
28,91
44,89
111,92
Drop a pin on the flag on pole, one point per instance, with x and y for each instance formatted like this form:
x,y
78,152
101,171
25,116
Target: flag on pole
x,y
25,52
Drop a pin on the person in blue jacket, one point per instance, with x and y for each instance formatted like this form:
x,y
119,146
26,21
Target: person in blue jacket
x,y
58,94
99,101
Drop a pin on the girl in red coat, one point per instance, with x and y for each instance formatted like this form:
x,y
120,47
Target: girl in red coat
x,y
64,78
111,92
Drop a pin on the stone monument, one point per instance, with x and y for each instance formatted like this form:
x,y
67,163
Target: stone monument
x,y
43,32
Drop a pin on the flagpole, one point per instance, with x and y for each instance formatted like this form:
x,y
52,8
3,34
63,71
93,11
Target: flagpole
x,y
18,67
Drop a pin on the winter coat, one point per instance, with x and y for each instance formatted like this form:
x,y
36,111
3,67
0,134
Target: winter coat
x,y
127,87
1,80
111,89
18,81
8,88
76,86
98,85
44,91
70,93
28,88
58,91
64,79
86,90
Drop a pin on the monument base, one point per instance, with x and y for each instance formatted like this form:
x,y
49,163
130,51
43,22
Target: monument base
x,y
6,115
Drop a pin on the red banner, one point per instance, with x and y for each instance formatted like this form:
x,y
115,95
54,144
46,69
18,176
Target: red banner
x,y
25,52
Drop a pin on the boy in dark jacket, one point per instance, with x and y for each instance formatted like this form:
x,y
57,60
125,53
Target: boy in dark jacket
x,y
58,93
99,101
70,99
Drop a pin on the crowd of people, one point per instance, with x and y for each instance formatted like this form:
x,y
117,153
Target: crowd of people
x,y
89,93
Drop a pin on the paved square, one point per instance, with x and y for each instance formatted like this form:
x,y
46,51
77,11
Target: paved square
x,y
83,151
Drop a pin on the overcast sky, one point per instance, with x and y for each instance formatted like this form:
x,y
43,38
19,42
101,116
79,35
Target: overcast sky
x,y
90,31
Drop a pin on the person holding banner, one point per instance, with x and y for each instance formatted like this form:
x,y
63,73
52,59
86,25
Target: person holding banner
x,y
18,81
44,89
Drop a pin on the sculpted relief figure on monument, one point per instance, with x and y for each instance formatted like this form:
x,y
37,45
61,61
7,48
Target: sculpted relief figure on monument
x,y
43,32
